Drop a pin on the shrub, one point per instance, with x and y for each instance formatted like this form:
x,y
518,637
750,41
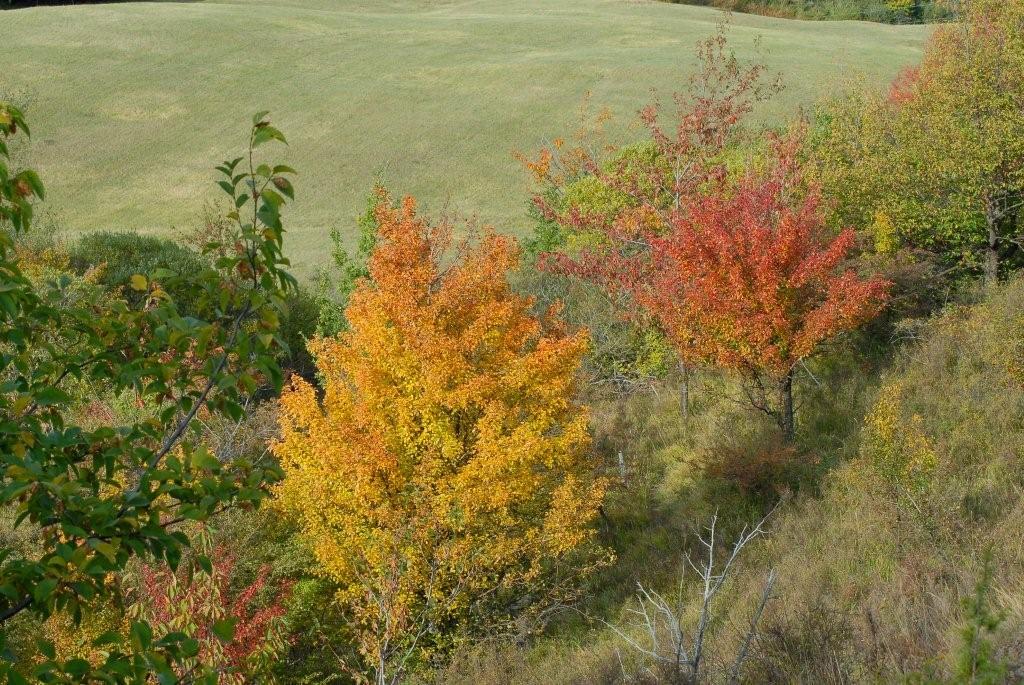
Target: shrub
x,y
119,256
299,324
767,470
99,490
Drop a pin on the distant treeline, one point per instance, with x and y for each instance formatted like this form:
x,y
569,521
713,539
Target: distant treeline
x,y
883,11
15,4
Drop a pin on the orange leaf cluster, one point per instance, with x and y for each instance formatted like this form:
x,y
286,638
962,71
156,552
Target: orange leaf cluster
x,y
446,457
749,279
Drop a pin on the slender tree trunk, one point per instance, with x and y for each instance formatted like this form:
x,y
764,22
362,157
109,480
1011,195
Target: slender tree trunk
x,y
784,415
684,390
991,251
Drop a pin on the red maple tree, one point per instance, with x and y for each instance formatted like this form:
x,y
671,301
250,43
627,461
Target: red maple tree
x,y
736,268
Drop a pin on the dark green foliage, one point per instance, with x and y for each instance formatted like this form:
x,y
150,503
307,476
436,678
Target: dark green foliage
x,y
548,234
321,638
121,255
103,492
301,318
118,256
883,11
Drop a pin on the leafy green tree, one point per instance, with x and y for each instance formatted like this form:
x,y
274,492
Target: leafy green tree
x,y
937,163
98,496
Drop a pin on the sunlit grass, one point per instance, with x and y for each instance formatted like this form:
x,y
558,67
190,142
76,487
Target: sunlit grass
x,y
133,103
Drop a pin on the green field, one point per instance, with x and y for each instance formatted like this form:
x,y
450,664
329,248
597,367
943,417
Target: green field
x,y
132,104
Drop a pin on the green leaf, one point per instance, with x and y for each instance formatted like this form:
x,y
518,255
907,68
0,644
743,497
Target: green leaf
x,y
32,178
108,638
267,134
77,667
104,548
48,397
44,589
272,198
224,629
202,459
47,649
14,678
142,635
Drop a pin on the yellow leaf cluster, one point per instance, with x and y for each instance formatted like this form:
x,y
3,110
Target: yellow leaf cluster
x,y
446,457
900,451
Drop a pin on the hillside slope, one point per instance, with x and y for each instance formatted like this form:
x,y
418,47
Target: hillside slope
x,y
133,103
876,572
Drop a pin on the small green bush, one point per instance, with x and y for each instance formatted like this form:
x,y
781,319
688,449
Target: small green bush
x,y
123,254
298,325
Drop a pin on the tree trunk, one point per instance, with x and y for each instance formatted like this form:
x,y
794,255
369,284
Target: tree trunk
x,y
991,251
784,413
684,390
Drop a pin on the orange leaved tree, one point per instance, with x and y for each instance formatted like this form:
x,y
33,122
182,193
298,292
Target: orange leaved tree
x,y
749,279
743,275
445,468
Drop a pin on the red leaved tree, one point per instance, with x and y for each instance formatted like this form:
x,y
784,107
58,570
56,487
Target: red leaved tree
x,y
641,189
737,269
199,603
745,276
749,279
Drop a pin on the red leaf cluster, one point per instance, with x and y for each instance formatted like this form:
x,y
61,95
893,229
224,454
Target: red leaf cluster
x,y
201,599
749,280
743,275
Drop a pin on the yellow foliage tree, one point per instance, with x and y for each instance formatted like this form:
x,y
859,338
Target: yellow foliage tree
x,y
446,467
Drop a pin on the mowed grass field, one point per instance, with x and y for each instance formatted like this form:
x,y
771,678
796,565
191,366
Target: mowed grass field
x,y
133,104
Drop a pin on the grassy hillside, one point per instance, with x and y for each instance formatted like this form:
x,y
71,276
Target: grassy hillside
x,y
875,572
133,103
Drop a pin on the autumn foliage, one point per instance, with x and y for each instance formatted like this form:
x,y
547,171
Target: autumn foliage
x,y
744,278
446,462
936,163
750,280
236,634
734,265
